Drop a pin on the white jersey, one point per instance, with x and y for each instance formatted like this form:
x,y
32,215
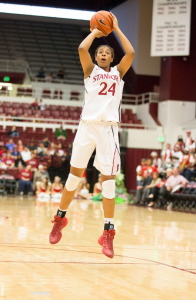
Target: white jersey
x,y
103,94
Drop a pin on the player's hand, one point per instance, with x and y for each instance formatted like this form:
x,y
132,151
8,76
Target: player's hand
x,y
98,33
115,21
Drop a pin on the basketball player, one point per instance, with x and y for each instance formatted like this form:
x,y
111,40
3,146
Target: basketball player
x,y
98,129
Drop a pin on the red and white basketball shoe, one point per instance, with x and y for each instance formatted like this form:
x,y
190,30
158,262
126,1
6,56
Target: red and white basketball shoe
x,y
56,234
106,240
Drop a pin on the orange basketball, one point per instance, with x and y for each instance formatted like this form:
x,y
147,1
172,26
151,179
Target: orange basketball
x,y
102,21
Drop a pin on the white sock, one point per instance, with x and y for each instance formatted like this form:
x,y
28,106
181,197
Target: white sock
x,y
109,220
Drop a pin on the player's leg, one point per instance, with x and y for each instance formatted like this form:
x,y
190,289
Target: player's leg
x,y
83,147
107,161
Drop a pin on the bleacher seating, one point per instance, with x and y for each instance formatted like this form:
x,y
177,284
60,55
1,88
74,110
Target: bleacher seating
x,y
43,44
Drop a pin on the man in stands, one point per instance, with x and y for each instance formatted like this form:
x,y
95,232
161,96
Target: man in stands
x,y
189,139
15,155
32,146
180,143
25,176
10,145
39,175
140,188
9,161
176,155
187,162
26,154
13,132
166,156
33,162
156,161
172,182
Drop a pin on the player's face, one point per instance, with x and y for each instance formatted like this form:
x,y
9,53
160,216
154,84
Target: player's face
x,y
104,57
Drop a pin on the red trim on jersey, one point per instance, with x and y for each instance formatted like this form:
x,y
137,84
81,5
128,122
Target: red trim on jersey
x,y
113,161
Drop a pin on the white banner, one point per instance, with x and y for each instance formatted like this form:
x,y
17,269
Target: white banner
x,y
171,27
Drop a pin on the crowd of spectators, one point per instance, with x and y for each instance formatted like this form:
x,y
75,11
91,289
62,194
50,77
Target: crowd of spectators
x,y
157,177
49,77
27,160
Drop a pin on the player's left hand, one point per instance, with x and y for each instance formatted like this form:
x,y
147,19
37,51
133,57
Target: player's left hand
x,y
115,21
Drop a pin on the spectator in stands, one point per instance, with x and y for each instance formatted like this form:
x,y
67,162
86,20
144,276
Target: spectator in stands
x,y
176,155
151,169
25,176
97,186
41,74
14,114
20,146
3,151
59,149
61,133
10,145
57,186
140,188
188,140
9,161
46,142
156,161
13,132
166,157
51,149
41,150
187,162
33,162
25,154
41,105
37,116
172,182
49,77
15,154
43,186
150,189
25,115
192,145
181,143
32,145
61,73
38,176
35,104
83,189
155,191
139,172
69,149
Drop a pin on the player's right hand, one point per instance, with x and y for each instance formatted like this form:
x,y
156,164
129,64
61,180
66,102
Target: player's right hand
x,y
98,33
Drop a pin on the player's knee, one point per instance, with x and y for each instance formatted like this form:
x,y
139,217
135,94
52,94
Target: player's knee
x,y
72,182
108,189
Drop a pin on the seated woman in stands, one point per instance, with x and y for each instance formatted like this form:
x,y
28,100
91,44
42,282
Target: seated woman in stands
x,y
97,186
57,189
57,186
83,189
59,150
51,149
43,189
20,146
150,189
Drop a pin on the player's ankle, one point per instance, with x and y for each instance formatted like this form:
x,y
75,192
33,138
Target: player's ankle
x,y
61,213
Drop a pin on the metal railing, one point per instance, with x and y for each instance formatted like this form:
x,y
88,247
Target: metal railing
x,y
49,123
150,97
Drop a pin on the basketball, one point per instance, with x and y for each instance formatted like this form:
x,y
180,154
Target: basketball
x,y
102,21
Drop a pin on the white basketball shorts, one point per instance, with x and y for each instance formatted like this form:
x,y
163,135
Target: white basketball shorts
x,y
102,136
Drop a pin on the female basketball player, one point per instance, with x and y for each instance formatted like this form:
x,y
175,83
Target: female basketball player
x,y
98,129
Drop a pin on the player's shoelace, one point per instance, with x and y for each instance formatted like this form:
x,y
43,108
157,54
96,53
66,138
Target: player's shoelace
x,y
56,226
108,240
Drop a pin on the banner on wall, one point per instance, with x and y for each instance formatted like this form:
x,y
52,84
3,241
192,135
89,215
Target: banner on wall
x,y
171,28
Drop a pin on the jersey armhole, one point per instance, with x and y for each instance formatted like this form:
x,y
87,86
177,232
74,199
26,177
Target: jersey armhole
x,y
85,79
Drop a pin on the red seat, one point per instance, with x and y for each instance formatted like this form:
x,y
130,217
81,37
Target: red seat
x,y
46,114
29,92
4,91
58,94
46,94
56,114
74,95
20,91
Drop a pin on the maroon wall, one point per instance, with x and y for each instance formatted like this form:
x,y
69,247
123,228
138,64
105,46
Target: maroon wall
x,y
133,158
14,77
178,74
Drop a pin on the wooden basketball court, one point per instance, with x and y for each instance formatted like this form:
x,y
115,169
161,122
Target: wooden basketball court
x,y
155,253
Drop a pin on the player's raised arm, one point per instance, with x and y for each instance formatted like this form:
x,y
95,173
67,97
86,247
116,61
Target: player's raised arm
x,y
85,58
127,59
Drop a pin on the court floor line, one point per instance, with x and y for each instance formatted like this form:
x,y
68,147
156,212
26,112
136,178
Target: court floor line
x,y
90,246
116,255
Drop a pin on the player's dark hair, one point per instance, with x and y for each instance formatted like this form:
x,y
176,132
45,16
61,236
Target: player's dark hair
x,y
110,48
